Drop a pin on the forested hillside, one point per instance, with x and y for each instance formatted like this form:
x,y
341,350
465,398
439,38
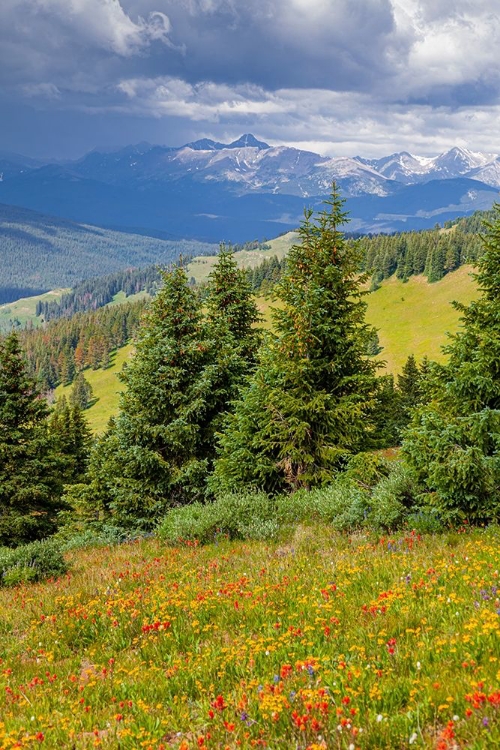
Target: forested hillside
x,y
433,252
66,346
40,253
95,293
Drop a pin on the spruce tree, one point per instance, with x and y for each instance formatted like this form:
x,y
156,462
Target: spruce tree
x,y
453,441
232,340
386,414
72,437
81,394
152,457
30,468
410,391
306,407
231,305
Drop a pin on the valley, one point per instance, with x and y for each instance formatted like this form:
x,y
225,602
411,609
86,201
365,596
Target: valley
x,y
249,375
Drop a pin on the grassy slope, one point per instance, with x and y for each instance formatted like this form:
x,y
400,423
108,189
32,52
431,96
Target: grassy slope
x,y
106,387
24,310
200,267
298,637
121,297
413,318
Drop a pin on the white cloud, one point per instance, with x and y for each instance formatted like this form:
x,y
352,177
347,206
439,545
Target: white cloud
x,y
92,24
453,43
339,123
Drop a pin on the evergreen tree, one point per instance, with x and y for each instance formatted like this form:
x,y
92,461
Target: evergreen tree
x,y
373,345
153,454
306,406
30,468
410,390
454,441
81,394
232,339
73,438
230,304
386,414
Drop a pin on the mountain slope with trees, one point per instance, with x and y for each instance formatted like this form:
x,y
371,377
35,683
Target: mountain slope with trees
x,y
41,252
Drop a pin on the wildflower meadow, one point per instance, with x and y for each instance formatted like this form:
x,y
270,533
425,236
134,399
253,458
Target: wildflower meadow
x,y
322,641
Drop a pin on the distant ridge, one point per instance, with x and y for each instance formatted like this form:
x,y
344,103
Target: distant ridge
x,y
245,141
40,252
248,189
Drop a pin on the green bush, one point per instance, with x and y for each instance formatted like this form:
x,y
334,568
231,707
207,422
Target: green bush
x,y
371,493
248,515
393,499
367,469
31,563
342,504
100,536
425,521
189,522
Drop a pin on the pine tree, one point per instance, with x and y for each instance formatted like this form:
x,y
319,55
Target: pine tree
x,y
386,414
373,345
306,406
232,340
30,468
453,442
153,455
73,439
410,391
230,303
81,394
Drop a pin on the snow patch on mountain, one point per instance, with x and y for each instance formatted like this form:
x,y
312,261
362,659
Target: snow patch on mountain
x,y
249,165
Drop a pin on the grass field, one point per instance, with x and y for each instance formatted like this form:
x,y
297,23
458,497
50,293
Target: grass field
x,y
121,297
24,310
317,642
106,387
414,317
200,268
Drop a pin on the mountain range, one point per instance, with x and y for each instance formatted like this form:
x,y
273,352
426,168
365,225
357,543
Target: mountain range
x,y
247,189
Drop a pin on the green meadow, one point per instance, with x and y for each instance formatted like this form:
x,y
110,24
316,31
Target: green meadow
x,y
200,268
415,317
24,310
106,387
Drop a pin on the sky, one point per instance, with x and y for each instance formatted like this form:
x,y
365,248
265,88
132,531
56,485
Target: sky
x,y
338,77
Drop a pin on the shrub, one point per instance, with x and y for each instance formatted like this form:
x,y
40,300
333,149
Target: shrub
x,y
367,469
188,522
342,503
95,537
425,521
372,492
393,498
247,515
31,562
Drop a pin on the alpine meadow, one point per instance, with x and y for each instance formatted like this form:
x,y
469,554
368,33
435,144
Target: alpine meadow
x,y
244,556
249,375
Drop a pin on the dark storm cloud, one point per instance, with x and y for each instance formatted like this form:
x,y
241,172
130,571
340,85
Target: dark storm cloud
x,y
340,76
342,45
